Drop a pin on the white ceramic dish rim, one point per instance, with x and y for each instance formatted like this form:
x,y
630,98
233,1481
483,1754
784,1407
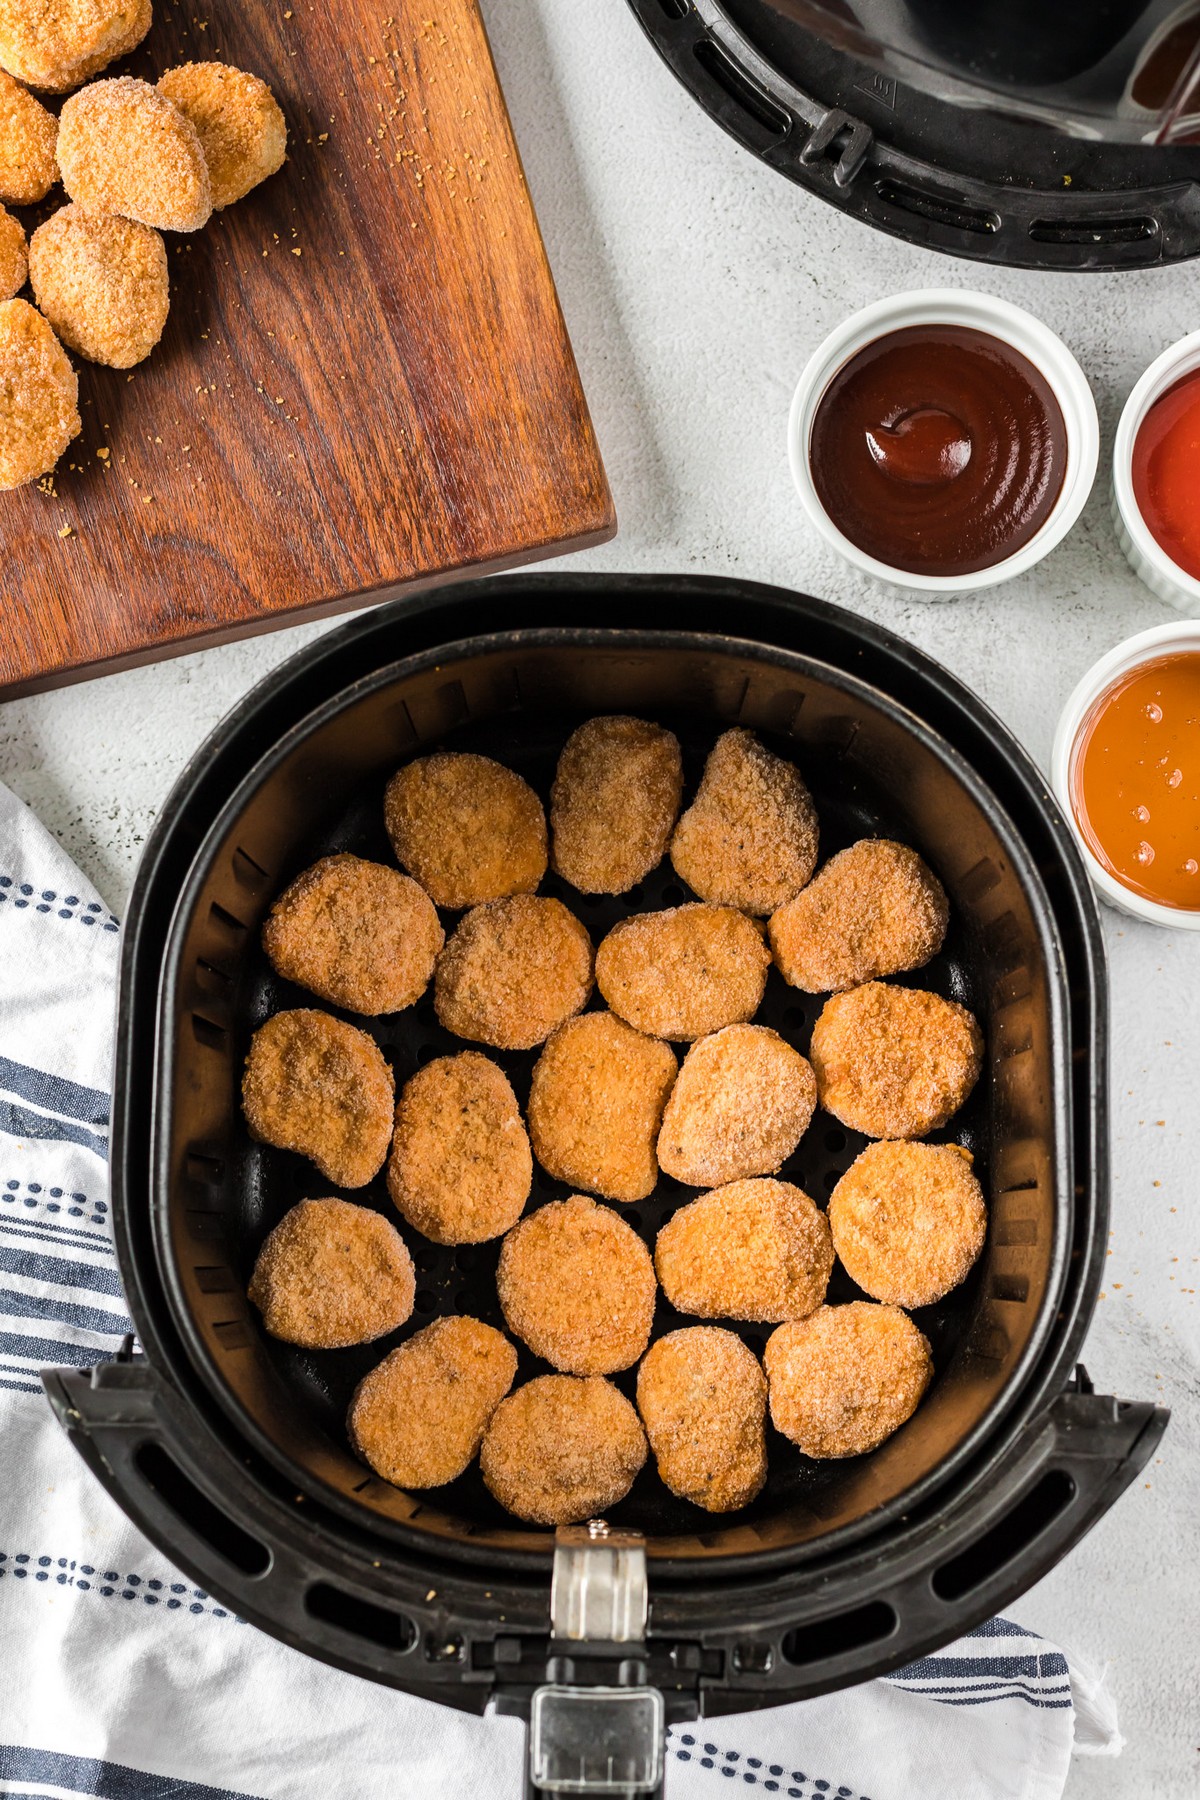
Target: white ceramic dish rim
x,y
1146,646
1178,359
1015,326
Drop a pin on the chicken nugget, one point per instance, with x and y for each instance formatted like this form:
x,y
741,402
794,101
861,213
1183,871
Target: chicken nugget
x,y
749,838
562,1449
577,1285
28,134
357,933
741,1104
683,973
125,148
703,1401
56,44
460,1169
237,119
320,1087
844,1379
14,255
596,1103
908,1221
512,972
419,1418
894,1062
467,828
755,1250
102,283
615,798
332,1274
39,395
874,909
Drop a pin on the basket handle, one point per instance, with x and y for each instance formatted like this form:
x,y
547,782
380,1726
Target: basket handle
x,y
595,1725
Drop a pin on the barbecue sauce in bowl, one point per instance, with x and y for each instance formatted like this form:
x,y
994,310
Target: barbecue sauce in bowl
x,y
938,450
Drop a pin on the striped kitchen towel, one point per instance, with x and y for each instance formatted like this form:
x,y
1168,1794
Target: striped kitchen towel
x,y
121,1680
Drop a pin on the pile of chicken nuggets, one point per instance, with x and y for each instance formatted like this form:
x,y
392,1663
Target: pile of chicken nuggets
x,y
136,160
670,1075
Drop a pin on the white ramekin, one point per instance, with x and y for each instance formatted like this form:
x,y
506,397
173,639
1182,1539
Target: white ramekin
x,y
952,306
1147,558
1147,646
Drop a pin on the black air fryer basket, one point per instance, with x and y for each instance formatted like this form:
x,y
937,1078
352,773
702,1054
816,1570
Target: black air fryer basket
x,y
229,1449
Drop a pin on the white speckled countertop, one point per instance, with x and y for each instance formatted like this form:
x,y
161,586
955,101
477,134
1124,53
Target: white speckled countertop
x,y
695,284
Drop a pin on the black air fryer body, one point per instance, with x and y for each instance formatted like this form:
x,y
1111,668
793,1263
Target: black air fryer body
x,y
994,140
228,1449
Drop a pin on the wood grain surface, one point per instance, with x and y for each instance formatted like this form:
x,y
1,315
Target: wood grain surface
x,y
365,379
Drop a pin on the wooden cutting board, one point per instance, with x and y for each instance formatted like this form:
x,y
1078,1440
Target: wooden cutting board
x,y
365,380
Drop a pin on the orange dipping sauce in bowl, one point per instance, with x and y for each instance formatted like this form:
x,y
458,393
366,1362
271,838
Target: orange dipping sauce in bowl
x,y
1135,780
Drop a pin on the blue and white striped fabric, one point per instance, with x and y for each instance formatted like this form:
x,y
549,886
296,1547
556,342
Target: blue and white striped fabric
x,y
121,1680
60,1299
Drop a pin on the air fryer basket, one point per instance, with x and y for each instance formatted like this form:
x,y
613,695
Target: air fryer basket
x,y
872,771
230,1448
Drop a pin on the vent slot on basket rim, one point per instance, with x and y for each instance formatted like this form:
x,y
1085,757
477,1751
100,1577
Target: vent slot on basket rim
x,y
771,121
360,1618
826,1639
1008,1539
1138,230
939,210
201,1515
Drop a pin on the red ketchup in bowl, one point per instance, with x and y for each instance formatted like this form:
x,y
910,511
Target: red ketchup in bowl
x,y
1166,472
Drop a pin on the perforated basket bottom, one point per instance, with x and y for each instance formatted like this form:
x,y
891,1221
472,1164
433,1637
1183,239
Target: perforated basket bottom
x,y
453,1280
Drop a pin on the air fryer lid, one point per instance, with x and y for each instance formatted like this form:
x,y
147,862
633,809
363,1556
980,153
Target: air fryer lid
x,y
873,769
1032,137
1122,69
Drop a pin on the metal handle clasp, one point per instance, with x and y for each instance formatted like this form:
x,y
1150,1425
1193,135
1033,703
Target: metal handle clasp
x,y
598,1588
602,1737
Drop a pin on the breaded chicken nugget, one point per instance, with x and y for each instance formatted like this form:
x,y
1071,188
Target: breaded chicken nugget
x,y
562,1449
320,1087
56,44
357,933
749,838
843,1380
467,828
755,1250
874,909
102,283
39,395
741,1104
577,1285
683,973
513,971
908,1221
332,1274
419,1418
595,1105
894,1062
460,1169
28,134
237,120
125,148
615,798
703,1401
14,255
